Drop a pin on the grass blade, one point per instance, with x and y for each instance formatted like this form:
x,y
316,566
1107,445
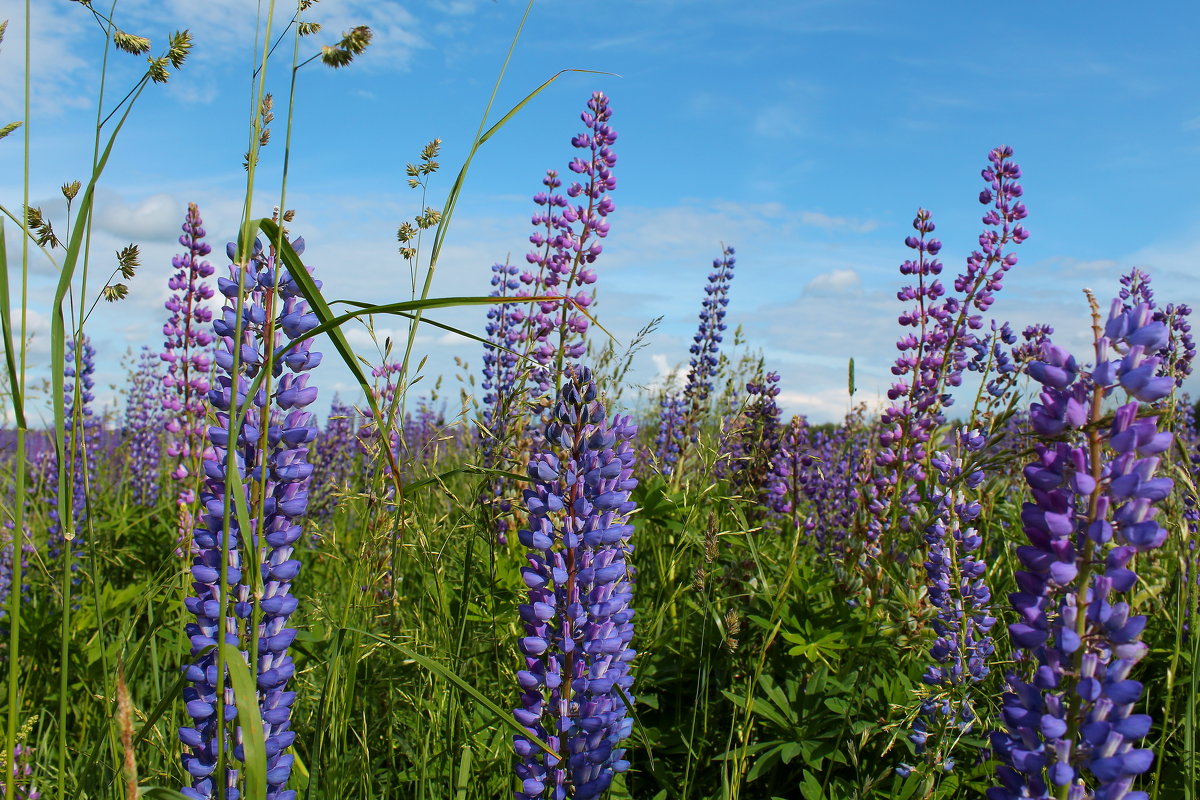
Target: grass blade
x,y
447,674
245,697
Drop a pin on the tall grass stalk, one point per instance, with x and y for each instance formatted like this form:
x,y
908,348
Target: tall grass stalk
x,y
16,377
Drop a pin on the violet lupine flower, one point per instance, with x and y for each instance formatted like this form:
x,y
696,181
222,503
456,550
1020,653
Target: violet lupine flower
x,y
83,442
187,354
387,397
1071,726
958,590
751,468
789,464
143,409
672,424
335,454
503,378
828,477
681,414
578,620
566,241
706,344
271,456
28,548
934,356
22,770
993,360
1180,349
500,366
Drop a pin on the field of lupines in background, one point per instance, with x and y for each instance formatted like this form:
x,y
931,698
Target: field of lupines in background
x,y
561,587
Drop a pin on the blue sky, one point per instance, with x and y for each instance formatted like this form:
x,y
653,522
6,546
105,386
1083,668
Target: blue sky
x,y
806,134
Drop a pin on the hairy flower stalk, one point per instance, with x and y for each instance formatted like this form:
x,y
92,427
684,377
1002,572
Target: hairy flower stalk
x,y
681,414
578,620
187,354
1071,727
269,451
143,410
958,590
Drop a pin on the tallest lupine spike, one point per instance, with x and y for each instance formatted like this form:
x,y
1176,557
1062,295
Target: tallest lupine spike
x,y
270,454
566,244
578,622
934,353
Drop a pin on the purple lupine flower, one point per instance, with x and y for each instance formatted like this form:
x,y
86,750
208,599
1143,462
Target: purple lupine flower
x,y
83,443
270,453
828,477
993,357
789,464
419,435
752,472
578,620
22,770
28,549
566,242
934,356
681,414
1071,723
672,425
501,374
1178,352
335,453
143,423
706,343
187,353
955,573
502,380
552,332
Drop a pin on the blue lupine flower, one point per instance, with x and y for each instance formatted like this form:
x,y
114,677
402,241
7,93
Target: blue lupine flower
x,y
270,454
143,428
1072,722
578,620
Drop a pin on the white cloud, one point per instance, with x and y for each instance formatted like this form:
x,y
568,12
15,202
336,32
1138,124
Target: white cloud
x,y
155,218
56,63
839,281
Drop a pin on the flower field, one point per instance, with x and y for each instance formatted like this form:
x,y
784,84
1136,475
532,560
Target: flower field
x,y
223,579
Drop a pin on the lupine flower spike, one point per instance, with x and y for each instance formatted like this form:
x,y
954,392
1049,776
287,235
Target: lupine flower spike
x,y
269,451
578,620
1071,729
188,355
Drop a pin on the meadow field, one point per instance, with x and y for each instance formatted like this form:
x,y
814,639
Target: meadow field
x,y
538,573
